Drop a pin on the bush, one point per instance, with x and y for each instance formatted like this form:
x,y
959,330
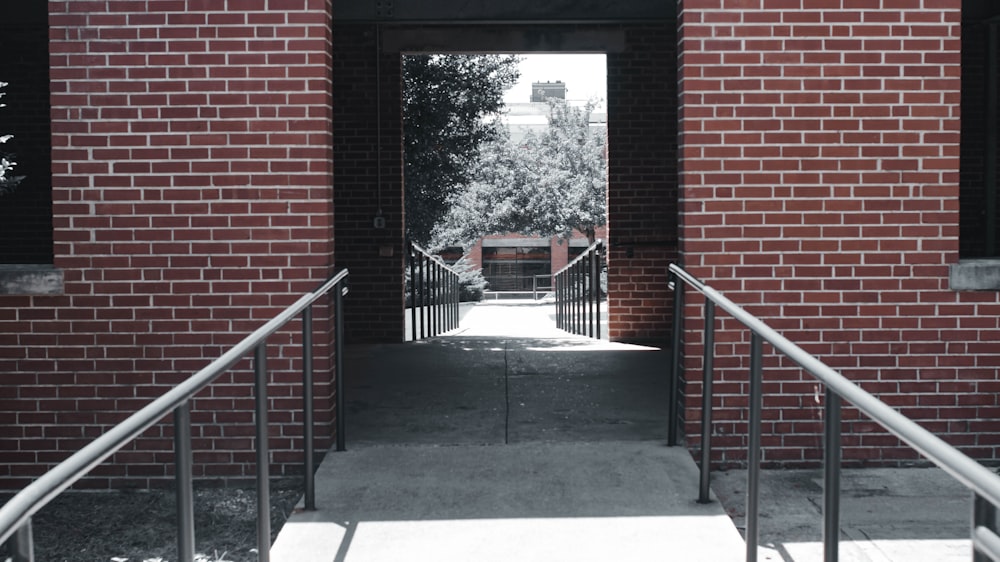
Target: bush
x,y
470,279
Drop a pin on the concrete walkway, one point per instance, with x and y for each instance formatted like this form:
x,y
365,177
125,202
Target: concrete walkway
x,y
510,440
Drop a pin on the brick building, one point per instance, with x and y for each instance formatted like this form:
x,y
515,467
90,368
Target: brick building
x,y
828,164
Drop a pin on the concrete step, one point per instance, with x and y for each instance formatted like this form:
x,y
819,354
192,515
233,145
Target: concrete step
x,y
622,501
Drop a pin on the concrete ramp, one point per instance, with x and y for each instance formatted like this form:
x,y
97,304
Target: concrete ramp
x,y
620,501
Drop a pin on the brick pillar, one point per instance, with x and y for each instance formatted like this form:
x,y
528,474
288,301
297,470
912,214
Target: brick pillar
x,y
819,171
192,189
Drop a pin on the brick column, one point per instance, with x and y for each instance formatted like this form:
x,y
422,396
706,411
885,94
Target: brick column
x,y
192,188
819,171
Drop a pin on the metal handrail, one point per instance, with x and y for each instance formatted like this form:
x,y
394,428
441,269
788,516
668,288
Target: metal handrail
x,y
434,294
982,481
15,515
578,293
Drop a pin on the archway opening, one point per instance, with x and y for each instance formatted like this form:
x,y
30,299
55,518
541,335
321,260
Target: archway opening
x,y
505,166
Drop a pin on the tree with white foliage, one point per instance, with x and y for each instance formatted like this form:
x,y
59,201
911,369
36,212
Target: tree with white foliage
x,y
549,184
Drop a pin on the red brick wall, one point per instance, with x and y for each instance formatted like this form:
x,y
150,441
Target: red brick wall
x,y
642,183
192,201
819,175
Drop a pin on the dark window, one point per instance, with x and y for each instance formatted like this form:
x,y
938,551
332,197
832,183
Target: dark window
x,y
514,269
26,212
979,207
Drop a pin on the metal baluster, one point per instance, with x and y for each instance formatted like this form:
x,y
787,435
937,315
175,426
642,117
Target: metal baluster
x,y
831,477
413,293
183,462
592,274
600,252
984,514
263,457
708,360
22,544
753,449
307,409
338,350
673,380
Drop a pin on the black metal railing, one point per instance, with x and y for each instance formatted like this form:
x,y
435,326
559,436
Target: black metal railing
x,y
433,296
15,515
578,293
540,284
984,484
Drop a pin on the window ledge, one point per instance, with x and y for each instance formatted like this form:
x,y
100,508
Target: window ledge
x,y
975,275
30,280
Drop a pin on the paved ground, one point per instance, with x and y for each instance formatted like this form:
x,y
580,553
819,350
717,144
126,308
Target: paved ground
x,y
510,440
887,515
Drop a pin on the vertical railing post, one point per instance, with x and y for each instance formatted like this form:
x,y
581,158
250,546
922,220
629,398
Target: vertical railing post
x,y
263,456
600,268
183,462
579,298
708,360
425,311
573,287
556,283
439,301
308,467
984,514
413,291
831,477
457,298
753,448
22,544
593,293
673,380
338,350
431,299
418,331
570,303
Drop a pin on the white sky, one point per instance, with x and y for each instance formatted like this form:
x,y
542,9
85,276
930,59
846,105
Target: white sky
x,y
586,76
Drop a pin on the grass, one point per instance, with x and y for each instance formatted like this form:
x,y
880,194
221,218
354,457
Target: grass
x,y
140,526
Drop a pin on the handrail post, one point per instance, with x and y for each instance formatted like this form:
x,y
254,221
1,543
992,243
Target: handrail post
x,y
599,255
753,448
421,296
263,457
708,360
984,514
438,298
581,310
557,284
431,298
673,380
425,310
831,477
593,293
183,462
413,292
338,350
307,409
22,544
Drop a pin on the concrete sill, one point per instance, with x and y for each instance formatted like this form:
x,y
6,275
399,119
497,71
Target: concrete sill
x,y
30,280
975,275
